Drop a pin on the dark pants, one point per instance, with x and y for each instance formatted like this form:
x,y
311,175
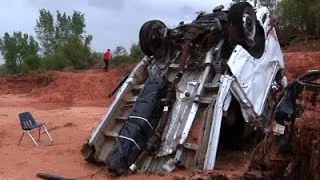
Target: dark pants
x,y
106,64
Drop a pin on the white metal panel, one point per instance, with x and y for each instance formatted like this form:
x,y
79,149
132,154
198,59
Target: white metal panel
x,y
254,75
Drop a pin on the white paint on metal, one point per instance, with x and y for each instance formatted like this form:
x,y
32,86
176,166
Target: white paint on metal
x,y
216,123
254,75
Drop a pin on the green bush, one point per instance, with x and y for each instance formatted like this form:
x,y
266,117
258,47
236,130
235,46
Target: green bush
x,y
56,61
2,70
76,53
297,17
30,63
136,52
118,60
96,59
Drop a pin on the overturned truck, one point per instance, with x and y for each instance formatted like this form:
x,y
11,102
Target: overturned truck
x,y
203,84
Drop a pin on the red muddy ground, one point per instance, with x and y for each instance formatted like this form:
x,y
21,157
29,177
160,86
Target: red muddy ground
x,y
71,104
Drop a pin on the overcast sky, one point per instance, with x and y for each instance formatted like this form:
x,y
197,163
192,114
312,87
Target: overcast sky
x,y
111,22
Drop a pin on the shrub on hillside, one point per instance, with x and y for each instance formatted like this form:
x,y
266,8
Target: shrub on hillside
x,y
2,70
31,63
78,53
56,61
118,60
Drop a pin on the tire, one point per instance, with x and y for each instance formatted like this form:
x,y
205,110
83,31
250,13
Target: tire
x,y
249,35
151,37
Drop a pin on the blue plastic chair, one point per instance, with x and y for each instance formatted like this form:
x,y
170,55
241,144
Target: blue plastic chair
x,y
28,123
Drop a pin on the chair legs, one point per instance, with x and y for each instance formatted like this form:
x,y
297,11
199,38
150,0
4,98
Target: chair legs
x,y
21,137
39,134
34,141
44,127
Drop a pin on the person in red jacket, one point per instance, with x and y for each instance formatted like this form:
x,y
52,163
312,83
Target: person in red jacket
x,y
107,58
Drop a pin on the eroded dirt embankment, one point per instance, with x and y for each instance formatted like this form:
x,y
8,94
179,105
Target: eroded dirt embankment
x,y
89,87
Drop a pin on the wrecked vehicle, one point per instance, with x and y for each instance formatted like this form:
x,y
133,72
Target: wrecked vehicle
x,y
201,85
286,152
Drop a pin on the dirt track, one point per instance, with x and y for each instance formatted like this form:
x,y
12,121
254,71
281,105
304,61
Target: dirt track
x,y
71,104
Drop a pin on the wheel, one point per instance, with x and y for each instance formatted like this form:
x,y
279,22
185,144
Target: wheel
x,y
245,29
151,37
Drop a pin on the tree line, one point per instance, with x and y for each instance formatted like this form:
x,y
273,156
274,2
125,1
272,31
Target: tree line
x,y
62,41
299,17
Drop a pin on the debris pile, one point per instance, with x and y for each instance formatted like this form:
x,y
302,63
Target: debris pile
x,y
95,85
307,138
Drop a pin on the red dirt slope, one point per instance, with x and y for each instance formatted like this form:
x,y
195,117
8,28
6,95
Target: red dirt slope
x,y
19,84
70,88
298,63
